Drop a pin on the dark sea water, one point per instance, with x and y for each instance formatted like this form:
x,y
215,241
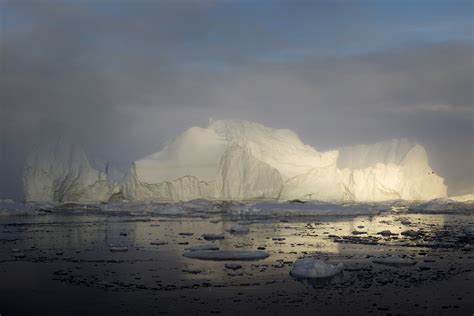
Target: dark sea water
x,y
62,263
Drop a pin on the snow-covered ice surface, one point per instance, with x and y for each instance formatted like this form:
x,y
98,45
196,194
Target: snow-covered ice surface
x,y
146,255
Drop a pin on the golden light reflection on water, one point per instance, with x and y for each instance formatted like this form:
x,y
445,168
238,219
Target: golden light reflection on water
x,y
285,241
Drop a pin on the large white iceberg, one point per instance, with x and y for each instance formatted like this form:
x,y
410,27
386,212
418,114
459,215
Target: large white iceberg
x,y
240,160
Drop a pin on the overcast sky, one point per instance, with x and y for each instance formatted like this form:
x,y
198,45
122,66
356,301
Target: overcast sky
x,y
125,77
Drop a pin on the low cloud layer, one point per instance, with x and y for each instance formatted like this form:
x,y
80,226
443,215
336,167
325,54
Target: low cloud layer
x,y
123,78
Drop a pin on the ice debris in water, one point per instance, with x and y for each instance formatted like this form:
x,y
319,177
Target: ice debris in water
x,y
313,268
226,255
239,229
469,230
10,207
233,266
386,233
213,236
395,261
158,243
192,270
278,238
411,233
204,247
118,248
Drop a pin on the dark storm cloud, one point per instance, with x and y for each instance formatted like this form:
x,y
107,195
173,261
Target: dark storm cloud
x,y
124,77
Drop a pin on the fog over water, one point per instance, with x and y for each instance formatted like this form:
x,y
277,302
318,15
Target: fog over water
x,y
122,78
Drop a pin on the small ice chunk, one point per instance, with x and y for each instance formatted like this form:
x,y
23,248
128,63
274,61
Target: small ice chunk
x,y
469,230
313,268
158,243
385,233
204,247
278,238
411,233
118,248
226,255
213,236
239,229
192,270
233,266
235,273
395,261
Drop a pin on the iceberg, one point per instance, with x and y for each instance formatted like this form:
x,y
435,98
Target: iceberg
x,y
242,161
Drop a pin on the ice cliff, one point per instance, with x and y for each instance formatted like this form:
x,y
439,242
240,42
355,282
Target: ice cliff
x,y
240,160
61,171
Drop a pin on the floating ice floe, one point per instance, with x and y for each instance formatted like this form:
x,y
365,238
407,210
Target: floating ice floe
x,y
386,233
213,236
227,255
278,238
158,243
118,248
313,268
203,247
411,233
469,230
239,229
233,266
395,261
235,273
405,222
